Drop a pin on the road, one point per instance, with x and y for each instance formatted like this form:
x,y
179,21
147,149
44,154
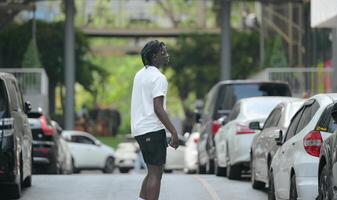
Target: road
x,y
126,187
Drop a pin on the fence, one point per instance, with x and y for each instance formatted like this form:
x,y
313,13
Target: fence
x,y
33,83
304,82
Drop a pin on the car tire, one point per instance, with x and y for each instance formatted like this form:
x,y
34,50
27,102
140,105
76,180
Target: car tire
x,y
210,167
219,171
109,165
233,172
293,190
271,189
27,182
124,170
325,192
258,185
201,169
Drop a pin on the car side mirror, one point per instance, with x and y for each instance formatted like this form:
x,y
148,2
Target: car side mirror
x,y
98,143
223,120
28,107
279,138
255,126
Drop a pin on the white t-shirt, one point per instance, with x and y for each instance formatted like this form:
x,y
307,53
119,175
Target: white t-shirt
x,y
148,83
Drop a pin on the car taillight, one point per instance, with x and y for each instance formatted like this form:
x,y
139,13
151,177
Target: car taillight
x,y
312,143
42,150
243,129
45,129
196,140
215,127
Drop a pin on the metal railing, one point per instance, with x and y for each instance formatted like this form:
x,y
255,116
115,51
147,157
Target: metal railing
x,y
304,82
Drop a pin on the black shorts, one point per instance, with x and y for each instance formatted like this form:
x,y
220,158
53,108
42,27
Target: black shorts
x,y
153,146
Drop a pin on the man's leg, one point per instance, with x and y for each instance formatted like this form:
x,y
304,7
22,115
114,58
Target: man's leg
x,y
143,189
153,182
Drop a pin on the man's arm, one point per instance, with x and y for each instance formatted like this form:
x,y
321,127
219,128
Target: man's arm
x,y
163,117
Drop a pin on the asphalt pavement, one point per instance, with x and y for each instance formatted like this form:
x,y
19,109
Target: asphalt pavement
x,y
126,187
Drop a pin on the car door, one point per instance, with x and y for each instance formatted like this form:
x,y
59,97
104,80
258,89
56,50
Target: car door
x,y
279,165
265,139
83,149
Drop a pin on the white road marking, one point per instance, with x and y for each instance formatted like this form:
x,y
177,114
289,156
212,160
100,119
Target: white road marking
x,y
208,187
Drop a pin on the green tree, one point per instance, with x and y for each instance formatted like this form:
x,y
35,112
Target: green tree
x,y
195,64
32,57
15,38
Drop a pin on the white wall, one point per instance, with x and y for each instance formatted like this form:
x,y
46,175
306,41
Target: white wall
x,y
324,13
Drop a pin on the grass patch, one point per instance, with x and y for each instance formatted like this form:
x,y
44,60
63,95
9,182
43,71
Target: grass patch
x,y
110,141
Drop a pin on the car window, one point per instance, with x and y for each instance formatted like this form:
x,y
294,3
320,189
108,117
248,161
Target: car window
x,y
81,139
13,97
293,124
269,120
277,117
209,101
3,99
234,114
307,115
326,123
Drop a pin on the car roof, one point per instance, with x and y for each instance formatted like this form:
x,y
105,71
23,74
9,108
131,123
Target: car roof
x,y
267,98
248,82
331,96
75,132
4,75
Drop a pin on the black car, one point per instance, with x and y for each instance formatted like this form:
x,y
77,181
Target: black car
x,y
219,103
15,138
327,170
48,154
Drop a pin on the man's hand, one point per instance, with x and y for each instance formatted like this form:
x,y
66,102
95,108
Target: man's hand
x,y
174,143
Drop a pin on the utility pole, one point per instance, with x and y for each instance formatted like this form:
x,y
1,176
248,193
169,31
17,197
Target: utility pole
x,y
334,59
225,61
69,55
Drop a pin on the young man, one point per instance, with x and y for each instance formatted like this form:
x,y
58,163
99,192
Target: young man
x,y
149,118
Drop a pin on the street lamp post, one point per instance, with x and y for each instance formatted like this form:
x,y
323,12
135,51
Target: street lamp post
x,y
225,61
69,55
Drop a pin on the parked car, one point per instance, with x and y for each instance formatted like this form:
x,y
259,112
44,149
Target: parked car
x,y
49,155
15,138
294,168
233,141
191,153
67,165
219,102
264,145
126,155
327,168
88,152
175,157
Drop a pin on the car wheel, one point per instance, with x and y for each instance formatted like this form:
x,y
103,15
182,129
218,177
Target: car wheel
x,y
109,165
271,190
124,170
293,190
258,185
233,172
325,192
27,182
201,169
210,167
219,171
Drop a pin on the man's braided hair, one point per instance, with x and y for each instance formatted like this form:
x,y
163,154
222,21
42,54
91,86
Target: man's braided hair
x,y
149,50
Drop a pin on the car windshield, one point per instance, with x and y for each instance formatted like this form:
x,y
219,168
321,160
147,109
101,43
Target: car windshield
x,y
232,94
259,108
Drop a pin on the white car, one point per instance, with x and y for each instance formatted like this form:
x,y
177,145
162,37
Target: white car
x,y
233,140
191,153
88,152
175,157
294,168
264,145
126,156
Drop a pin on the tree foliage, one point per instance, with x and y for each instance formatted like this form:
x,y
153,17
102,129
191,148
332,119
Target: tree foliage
x,y
14,40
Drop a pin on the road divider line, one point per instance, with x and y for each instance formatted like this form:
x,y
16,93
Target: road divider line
x,y
208,187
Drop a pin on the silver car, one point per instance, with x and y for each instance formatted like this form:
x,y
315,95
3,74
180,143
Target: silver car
x,y
264,145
